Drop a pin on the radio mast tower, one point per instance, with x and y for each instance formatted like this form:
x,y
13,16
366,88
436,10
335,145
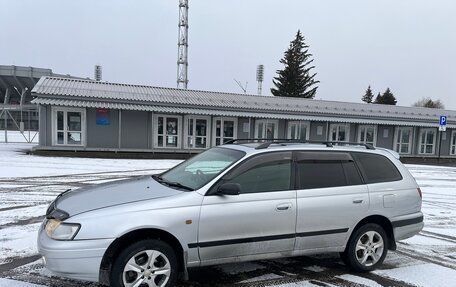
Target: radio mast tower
x,y
182,54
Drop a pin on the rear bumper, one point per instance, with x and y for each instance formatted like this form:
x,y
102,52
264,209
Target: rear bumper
x,y
73,259
407,226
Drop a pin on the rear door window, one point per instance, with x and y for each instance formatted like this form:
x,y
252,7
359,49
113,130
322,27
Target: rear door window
x,y
376,168
326,169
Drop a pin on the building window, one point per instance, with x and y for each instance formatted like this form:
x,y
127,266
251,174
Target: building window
x,y
167,131
266,129
225,129
403,140
453,143
427,141
298,130
197,132
68,126
339,132
367,135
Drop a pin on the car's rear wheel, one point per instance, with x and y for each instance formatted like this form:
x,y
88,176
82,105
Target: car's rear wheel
x,y
366,248
146,263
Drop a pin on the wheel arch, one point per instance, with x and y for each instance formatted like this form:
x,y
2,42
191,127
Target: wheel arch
x,y
384,222
133,236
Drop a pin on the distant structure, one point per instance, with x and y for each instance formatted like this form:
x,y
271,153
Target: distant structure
x,y
17,114
182,54
259,77
98,73
243,88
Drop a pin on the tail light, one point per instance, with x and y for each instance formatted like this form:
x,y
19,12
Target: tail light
x,y
419,192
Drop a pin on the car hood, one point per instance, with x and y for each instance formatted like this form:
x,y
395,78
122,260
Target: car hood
x,y
113,193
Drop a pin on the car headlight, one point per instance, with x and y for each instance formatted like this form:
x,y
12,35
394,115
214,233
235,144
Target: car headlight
x,y
59,230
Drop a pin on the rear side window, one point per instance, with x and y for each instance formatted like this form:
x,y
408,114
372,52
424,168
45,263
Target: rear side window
x,y
376,168
318,170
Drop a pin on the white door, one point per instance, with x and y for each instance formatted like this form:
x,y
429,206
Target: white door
x,y
298,130
266,129
225,129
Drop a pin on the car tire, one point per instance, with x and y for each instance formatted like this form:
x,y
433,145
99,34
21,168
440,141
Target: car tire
x,y
146,261
367,248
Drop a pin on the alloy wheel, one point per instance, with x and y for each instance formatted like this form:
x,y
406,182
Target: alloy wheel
x,y
148,268
369,248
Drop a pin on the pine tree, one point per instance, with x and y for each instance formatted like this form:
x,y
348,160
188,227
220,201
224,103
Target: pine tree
x,y
389,98
368,96
296,79
386,99
378,99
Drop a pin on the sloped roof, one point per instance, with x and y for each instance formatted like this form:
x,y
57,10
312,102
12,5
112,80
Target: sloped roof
x,y
88,90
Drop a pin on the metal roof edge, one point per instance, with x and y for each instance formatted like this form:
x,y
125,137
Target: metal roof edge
x,y
226,112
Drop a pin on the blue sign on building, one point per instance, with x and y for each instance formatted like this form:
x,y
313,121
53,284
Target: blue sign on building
x,y
102,117
443,121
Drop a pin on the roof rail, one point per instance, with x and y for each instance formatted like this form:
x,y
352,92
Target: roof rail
x,y
268,142
234,141
367,146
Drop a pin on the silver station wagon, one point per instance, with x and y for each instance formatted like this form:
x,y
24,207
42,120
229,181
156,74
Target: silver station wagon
x,y
237,202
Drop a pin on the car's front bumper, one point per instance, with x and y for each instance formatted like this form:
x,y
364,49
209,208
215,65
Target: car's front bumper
x,y
75,259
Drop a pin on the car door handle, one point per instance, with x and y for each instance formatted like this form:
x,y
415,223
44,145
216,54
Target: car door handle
x,y
357,201
284,206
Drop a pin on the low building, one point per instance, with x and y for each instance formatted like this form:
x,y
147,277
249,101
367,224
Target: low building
x,y
84,115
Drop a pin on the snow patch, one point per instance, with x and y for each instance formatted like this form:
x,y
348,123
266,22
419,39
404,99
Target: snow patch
x,y
14,283
265,277
359,280
422,275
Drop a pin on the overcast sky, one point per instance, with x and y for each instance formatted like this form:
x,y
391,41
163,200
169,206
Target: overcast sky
x,y
407,45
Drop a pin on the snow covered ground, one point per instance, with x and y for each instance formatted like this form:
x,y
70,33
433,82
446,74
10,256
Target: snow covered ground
x,y
28,183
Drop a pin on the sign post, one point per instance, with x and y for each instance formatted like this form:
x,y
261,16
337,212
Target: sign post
x,y
442,128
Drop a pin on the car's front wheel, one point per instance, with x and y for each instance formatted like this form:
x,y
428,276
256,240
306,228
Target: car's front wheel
x,y
366,248
146,263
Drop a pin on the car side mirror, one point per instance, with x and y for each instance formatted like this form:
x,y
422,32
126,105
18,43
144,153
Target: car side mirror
x,y
229,189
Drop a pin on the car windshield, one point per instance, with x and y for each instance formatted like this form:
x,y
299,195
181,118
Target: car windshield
x,y
200,169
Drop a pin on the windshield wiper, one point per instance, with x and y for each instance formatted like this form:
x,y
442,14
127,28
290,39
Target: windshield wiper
x,y
170,183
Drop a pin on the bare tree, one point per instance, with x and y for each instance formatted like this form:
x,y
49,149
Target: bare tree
x,y
429,103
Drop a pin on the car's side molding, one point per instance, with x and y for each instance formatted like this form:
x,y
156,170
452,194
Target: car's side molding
x,y
323,232
405,222
265,238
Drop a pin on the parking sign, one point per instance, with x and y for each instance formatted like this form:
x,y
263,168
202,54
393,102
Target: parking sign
x,y
443,121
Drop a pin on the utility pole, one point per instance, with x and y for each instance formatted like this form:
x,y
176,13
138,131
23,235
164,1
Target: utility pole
x,y
182,53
